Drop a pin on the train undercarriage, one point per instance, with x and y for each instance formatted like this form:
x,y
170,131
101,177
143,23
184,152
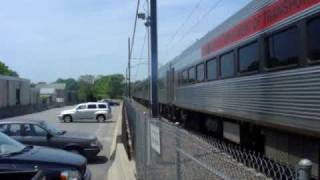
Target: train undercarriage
x,y
279,144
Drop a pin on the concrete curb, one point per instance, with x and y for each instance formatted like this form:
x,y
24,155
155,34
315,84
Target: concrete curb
x,y
117,132
121,167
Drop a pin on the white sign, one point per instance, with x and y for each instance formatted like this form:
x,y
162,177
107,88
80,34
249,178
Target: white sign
x,y
60,100
155,138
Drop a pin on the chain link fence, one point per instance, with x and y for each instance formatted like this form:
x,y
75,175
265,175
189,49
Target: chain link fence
x,y
165,151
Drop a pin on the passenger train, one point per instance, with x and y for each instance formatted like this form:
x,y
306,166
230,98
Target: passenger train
x,y
254,80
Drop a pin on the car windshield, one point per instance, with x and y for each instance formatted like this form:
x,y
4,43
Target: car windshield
x,y
9,145
80,106
51,128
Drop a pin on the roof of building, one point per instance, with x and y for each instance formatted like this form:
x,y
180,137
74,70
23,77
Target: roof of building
x,y
2,77
59,86
47,90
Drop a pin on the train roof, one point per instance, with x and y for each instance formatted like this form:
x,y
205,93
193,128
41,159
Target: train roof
x,y
240,15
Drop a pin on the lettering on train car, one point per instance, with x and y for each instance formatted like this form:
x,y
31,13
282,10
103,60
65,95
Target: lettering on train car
x,y
264,18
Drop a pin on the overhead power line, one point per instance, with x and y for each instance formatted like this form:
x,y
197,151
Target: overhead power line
x,y
144,43
214,6
141,54
145,5
134,27
184,22
139,60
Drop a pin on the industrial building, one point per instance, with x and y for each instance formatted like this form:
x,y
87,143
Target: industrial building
x,y
17,96
14,91
55,94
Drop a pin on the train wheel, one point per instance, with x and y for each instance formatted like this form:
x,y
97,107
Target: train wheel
x,y
183,118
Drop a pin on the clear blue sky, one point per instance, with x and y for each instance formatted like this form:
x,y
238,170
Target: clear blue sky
x,y
48,39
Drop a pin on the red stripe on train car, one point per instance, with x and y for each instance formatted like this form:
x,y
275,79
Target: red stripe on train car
x,y
262,19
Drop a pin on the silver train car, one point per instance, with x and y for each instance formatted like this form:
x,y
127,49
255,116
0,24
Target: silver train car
x,y
254,81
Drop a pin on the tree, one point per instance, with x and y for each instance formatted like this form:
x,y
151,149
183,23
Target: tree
x,y
89,88
87,79
116,86
4,70
71,84
85,92
101,86
110,86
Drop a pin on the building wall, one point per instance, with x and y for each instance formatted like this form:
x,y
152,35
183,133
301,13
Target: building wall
x,y
13,85
8,87
25,93
3,93
35,96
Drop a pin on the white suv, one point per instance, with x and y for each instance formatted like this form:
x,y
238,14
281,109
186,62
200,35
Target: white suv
x,y
97,111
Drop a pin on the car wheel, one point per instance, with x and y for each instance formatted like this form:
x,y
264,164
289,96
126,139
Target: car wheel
x,y
67,118
101,118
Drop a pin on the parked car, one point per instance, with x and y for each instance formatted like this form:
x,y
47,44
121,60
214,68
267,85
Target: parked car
x,y
54,163
22,175
110,102
41,133
97,111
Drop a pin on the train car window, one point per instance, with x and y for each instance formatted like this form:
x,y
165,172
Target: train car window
x,y
200,72
212,70
192,74
313,29
283,48
227,65
249,58
185,77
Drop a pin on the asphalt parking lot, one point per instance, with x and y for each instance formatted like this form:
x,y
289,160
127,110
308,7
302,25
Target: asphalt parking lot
x,y
104,131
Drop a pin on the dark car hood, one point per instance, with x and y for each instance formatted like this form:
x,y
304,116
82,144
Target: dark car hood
x,y
78,135
42,155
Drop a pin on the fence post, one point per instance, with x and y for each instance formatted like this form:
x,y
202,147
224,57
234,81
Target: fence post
x,y
147,118
145,145
178,161
304,169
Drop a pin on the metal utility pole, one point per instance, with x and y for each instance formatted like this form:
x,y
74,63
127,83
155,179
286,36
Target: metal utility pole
x,y
154,58
147,24
126,83
129,69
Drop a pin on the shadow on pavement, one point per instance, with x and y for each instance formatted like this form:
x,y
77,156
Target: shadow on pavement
x,y
98,160
90,121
